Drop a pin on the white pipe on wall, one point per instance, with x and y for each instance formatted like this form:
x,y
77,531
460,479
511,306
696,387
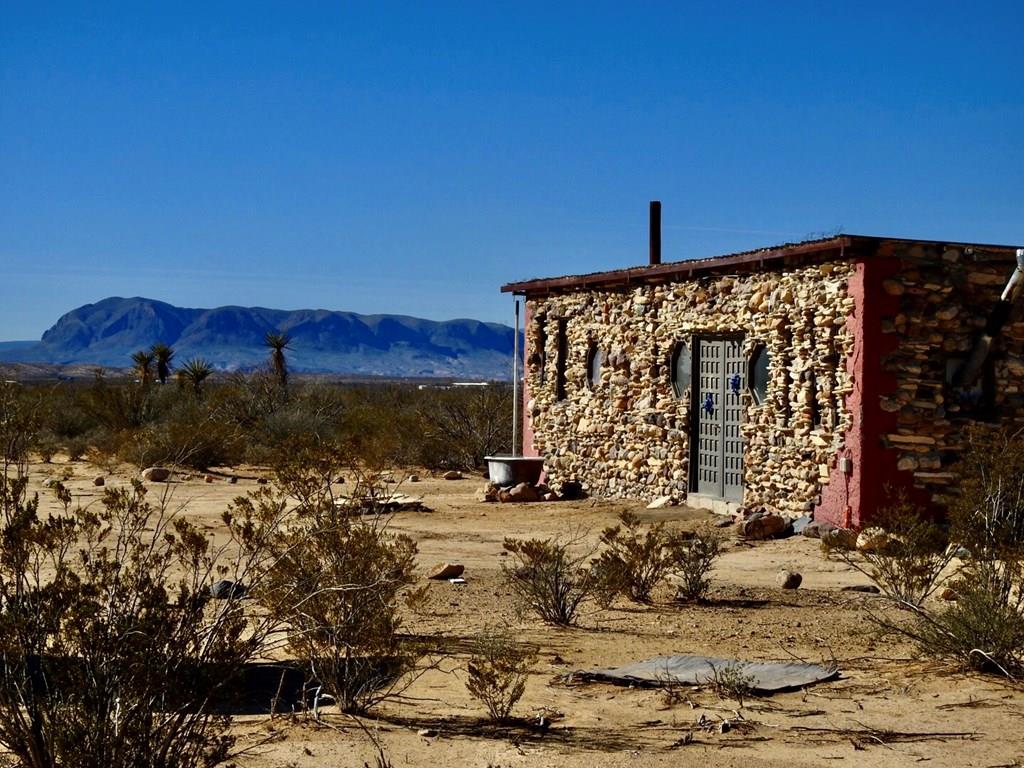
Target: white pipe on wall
x,y
515,387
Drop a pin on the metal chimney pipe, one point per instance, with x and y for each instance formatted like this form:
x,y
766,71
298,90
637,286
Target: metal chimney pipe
x,y
655,236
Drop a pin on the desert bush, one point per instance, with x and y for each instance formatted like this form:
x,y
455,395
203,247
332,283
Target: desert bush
x,y
549,578
729,681
910,563
692,559
190,435
497,672
983,628
334,580
113,655
462,426
633,563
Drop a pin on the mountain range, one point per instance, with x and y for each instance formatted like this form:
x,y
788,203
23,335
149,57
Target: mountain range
x,y
231,338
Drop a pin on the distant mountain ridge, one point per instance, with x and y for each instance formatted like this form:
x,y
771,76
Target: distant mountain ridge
x,y
231,338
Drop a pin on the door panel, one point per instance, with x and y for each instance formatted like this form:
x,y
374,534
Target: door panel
x,y
719,413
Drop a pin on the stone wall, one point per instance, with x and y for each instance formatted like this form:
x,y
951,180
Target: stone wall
x,y
628,435
938,299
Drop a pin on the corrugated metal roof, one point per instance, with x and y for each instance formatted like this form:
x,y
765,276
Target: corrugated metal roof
x,y
841,246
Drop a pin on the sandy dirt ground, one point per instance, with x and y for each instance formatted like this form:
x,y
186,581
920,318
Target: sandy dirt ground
x,y
888,707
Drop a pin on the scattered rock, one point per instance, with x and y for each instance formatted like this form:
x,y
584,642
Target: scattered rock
x,y
489,492
870,589
551,496
208,478
789,579
233,480
949,594
49,482
99,481
225,589
760,527
816,529
801,523
413,478
156,474
663,501
261,480
962,553
840,537
524,492
453,474
873,540
428,733
446,571
724,522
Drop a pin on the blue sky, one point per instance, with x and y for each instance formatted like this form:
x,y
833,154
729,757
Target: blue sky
x,y
410,158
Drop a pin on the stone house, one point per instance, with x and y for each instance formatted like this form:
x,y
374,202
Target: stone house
x,y
809,377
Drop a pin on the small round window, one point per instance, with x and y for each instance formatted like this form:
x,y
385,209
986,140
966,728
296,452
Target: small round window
x,y
757,377
681,368
594,366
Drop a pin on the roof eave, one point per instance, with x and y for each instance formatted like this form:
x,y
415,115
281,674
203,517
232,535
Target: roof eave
x,y
654,273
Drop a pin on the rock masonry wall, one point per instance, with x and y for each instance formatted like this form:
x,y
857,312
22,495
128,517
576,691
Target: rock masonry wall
x,y
939,299
628,436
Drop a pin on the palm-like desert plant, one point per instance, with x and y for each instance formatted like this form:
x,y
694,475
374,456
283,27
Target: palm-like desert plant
x,y
143,362
278,343
194,373
163,355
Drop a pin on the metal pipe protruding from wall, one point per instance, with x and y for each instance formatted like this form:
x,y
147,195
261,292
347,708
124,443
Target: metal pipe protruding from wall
x,y
655,233
515,387
997,319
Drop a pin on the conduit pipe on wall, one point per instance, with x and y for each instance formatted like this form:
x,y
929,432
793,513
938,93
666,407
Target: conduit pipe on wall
x,y
1000,314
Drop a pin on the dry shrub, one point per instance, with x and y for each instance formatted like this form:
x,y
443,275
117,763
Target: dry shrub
x,y
334,579
497,672
984,627
909,565
548,578
729,681
113,654
692,560
633,564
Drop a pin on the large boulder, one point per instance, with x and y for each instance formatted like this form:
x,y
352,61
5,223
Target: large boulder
x,y
156,474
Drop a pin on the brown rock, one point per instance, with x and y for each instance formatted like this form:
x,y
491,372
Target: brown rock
x,y
446,571
99,481
523,492
156,474
452,475
789,579
761,527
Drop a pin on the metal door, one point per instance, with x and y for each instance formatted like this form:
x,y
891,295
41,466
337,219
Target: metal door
x,y
719,413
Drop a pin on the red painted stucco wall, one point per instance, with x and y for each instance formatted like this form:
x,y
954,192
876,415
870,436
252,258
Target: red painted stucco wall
x,y
852,500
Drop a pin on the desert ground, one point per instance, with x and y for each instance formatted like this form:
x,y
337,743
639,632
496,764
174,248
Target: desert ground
x,y
887,707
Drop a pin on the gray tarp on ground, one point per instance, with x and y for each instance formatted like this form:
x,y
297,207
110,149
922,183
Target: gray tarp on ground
x,y
768,676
